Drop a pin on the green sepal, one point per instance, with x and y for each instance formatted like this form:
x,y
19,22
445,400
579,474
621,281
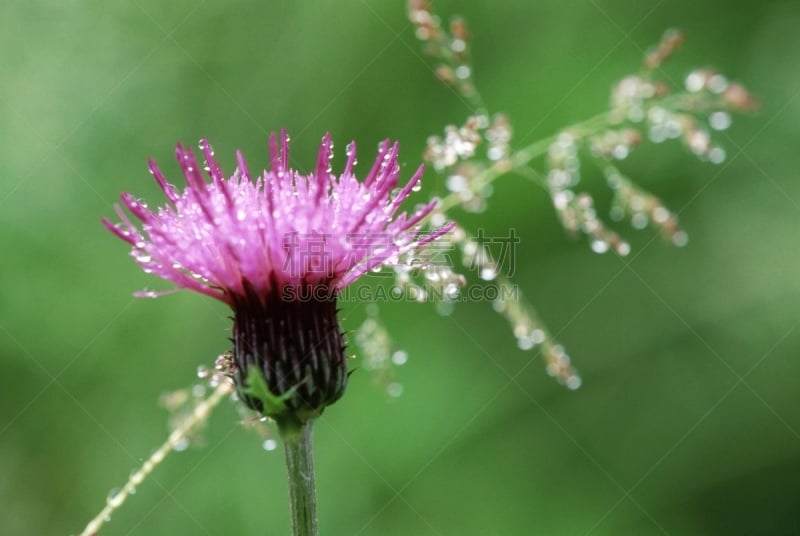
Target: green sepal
x,y
256,386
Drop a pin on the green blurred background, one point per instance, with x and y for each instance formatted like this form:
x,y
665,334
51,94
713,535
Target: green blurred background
x,y
688,419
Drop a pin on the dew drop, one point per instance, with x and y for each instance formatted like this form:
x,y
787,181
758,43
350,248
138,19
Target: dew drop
x,y
561,199
452,291
620,152
137,477
495,153
146,293
181,445
394,389
657,134
432,276
269,444
636,114
660,215
445,308
457,183
719,120
488,273
573,382
680,239
639,220
115,498
673,129
717,155
717,83
399,358
525,343
694,82
599,246
537,336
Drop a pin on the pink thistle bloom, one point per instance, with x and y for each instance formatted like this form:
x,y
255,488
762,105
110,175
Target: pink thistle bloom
x,y
234,237
278,249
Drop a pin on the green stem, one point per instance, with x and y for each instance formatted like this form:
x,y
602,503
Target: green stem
x,y
302,490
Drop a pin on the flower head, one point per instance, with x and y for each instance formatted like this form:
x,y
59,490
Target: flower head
x,y
278,248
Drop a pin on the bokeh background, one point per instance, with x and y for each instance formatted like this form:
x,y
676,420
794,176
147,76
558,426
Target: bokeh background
x,y
688,419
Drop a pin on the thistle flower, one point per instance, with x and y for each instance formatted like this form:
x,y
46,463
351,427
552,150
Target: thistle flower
x,y
278,250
